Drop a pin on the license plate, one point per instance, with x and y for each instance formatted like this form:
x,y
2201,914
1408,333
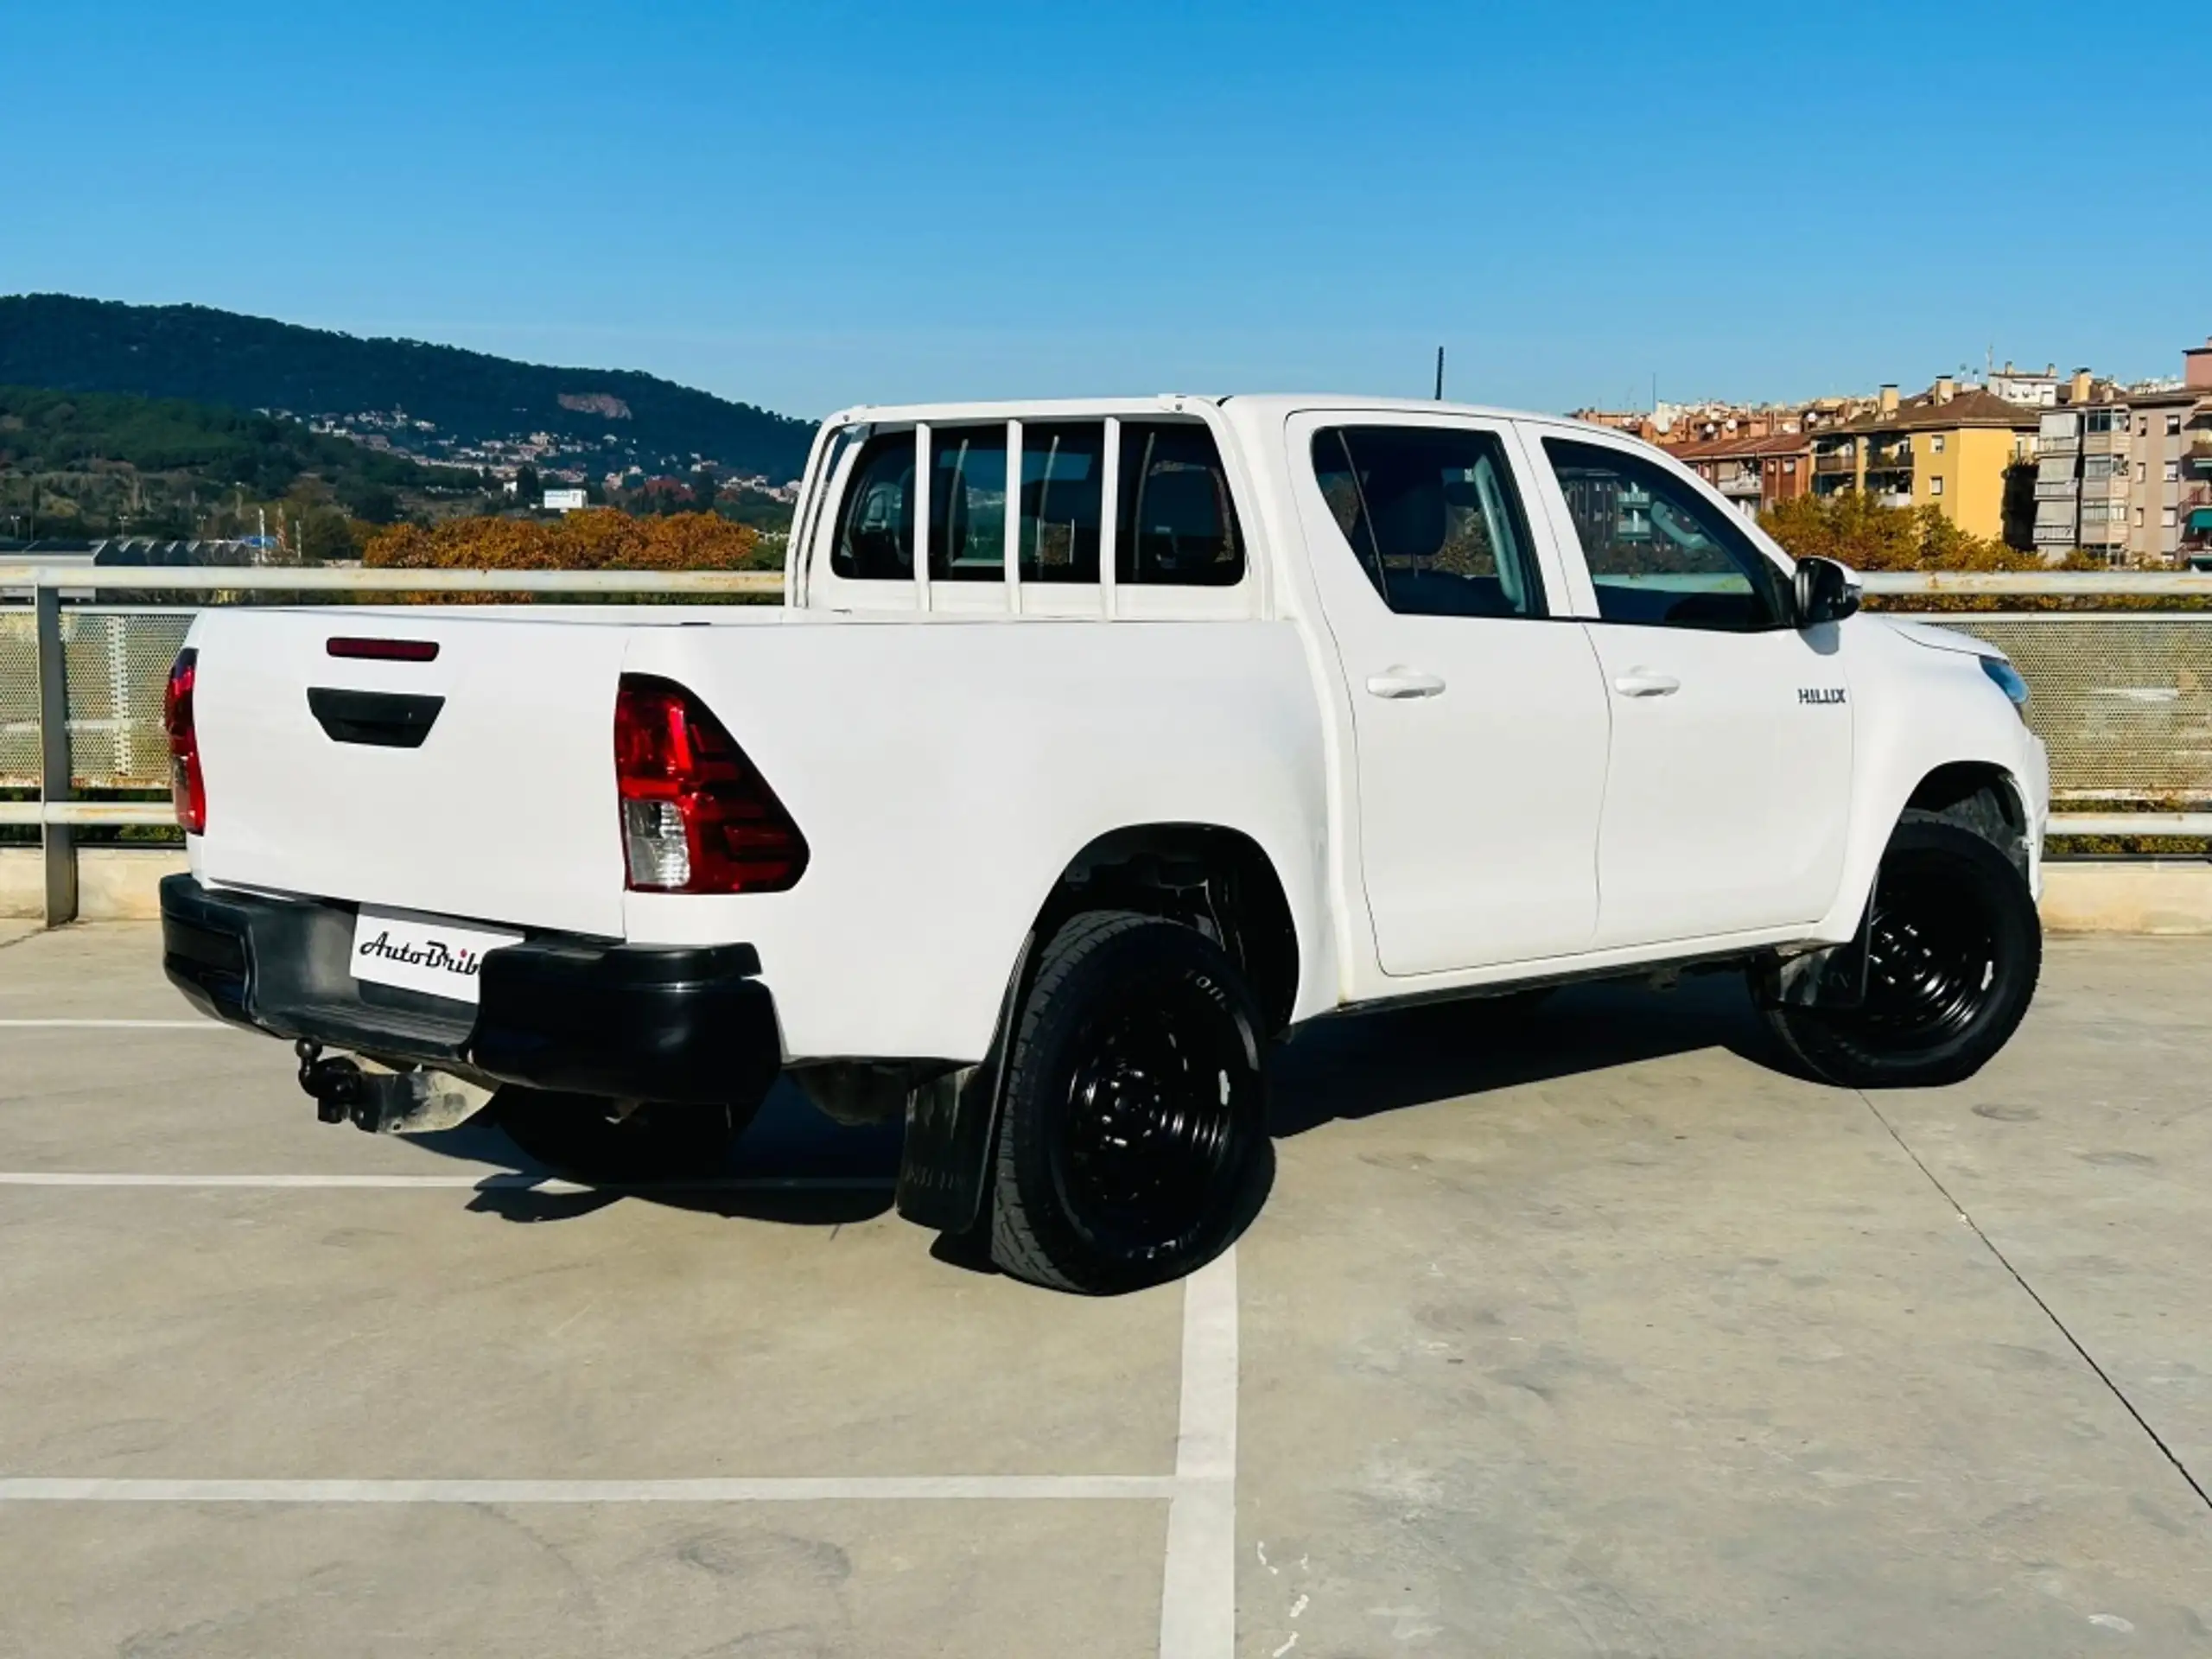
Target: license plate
x,y
423,953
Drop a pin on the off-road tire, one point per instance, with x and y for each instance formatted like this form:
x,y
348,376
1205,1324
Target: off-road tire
x,y
586,1137
1956,948
1133,1137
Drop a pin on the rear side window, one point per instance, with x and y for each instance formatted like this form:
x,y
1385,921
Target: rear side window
x,y
1431,516
967,504
1658,551
1177,526
875,523
1063,472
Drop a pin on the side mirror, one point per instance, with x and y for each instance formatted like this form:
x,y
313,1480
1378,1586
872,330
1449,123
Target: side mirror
x,y
1827,591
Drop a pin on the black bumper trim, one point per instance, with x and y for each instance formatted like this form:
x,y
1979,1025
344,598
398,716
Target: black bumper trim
x,y
646,1022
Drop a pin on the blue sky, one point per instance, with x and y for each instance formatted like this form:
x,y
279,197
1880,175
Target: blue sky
x,y
809,204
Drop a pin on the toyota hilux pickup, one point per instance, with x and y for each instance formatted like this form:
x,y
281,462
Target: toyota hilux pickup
x,y
1094,745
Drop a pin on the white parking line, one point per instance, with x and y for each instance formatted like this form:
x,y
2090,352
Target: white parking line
x,y
1198,1602
769,1490
495,1181
115,1025
1197,1609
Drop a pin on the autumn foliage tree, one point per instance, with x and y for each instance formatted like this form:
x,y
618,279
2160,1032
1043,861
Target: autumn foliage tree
x,y
597,538
1864,534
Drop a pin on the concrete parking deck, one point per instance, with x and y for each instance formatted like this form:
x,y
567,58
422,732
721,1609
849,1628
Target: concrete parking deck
x,y
1593,1335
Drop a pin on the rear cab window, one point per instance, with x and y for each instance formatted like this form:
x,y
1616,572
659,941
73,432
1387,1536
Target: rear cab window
x,y
1433,517
1019,518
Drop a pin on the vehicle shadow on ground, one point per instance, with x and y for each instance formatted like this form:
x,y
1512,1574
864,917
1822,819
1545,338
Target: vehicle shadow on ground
x,y
791,1165
1347,1068
1361,1065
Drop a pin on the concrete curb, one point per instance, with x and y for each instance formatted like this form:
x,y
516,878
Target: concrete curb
x,y
114,884
2128,896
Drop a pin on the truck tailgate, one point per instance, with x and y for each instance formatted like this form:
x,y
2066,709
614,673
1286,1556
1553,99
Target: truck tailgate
x,y
503,811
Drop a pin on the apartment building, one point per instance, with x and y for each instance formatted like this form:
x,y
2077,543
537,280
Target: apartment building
x,y
1949,448
2125,473
1753,473
2026,386
2195,504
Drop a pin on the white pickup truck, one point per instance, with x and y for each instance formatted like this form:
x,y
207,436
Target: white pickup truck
x,y
1096,744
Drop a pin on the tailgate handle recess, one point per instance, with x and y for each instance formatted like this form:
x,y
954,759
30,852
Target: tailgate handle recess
x,y
385,719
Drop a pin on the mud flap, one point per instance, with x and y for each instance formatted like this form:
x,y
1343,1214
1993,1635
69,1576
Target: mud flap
x,y
1834,977
944,1172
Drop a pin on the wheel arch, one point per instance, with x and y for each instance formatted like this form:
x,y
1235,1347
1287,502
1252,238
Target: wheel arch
x,y
1947,788
1218,880
1984,792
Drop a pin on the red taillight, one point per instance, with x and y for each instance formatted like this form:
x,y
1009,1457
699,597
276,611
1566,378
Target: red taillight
x,y
188,787
696,817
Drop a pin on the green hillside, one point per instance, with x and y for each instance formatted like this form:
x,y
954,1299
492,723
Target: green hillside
x,y
471,399
100,463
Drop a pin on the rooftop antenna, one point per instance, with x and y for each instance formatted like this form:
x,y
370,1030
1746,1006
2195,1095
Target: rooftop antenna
x,y
1439,374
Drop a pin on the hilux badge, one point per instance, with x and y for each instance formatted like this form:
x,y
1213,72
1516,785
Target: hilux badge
x,y
1820,693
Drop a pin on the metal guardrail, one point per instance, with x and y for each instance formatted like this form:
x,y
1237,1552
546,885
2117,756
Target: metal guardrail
x,y
81,685
2123,698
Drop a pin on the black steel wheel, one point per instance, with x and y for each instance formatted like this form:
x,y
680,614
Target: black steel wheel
x,y
1132,1130
1954,948
591,1138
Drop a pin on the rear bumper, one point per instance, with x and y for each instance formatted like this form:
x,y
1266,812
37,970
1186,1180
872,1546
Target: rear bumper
x,y
644,1022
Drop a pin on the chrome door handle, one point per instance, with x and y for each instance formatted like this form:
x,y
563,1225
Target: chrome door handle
x,y
1404,683
1647,682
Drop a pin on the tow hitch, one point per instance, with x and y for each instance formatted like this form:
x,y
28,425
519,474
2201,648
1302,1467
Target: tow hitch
x,y
382,1101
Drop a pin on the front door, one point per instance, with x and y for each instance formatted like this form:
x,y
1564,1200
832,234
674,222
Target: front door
x,y
1728,789
1479,720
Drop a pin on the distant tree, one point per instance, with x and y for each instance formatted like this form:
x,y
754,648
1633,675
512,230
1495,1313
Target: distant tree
x,y
705,486
2020,505
1863,533
372,503
328,536
597,538
527,488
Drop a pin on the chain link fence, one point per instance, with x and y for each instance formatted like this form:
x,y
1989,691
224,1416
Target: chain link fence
x,y
2123,699
117,662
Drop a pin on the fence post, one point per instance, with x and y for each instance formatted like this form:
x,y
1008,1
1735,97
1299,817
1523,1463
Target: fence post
x,y
57,840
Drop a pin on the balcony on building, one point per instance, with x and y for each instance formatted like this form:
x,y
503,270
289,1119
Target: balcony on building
x,y
1836,458
2104,432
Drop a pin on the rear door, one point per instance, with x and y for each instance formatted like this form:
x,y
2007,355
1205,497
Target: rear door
x,y
1728,786
1479,720
500,807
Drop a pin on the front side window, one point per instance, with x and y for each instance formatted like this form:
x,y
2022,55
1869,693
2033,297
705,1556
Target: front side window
x,y
1431,516
875,523
1063,472
967,504
1177,524
1657,551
